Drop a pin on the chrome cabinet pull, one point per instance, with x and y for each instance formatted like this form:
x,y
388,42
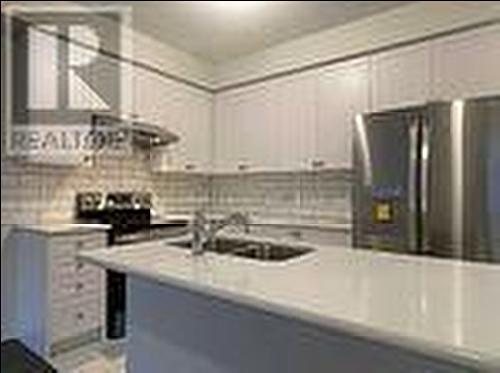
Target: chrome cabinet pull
x,y
243,167
317,163
296,234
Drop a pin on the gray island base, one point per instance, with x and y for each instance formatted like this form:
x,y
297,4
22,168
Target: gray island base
x,y
172,329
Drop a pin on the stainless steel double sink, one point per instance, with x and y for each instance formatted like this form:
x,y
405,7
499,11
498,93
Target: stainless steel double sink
x,y
264,251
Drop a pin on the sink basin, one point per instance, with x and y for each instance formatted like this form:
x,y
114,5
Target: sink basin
x,y
271,252
264,251
219,245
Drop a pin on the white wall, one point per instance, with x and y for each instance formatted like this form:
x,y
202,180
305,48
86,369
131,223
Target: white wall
x,y
144,49
171,60
410,22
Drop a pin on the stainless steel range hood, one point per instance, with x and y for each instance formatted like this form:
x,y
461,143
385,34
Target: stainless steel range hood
x,y
143,134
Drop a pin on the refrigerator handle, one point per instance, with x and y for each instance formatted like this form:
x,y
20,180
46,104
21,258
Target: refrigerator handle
x,y
424,182
417,183
412,185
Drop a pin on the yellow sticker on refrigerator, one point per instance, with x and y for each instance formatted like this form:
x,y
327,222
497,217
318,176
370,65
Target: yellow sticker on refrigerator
x,y
383,212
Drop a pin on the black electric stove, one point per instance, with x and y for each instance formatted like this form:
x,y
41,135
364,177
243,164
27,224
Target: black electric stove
x,y
129,216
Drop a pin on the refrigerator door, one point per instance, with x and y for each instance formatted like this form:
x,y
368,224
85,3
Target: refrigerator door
x,y
464,186
387,196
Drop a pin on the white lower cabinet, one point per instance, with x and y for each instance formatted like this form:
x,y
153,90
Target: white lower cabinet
x,y
60,301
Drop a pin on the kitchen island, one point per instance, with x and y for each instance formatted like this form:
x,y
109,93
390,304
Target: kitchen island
x,y
332,310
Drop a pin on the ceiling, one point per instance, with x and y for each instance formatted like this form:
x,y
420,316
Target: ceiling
x,y
218,31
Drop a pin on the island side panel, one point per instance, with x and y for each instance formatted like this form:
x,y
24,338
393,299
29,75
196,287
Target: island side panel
x,y
176,330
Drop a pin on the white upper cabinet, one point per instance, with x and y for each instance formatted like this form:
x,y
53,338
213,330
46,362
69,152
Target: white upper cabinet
x,y
224,139
293,114
148,97
192,110
181,109
243,133
267,126
468,64
305,121
343,92
401,77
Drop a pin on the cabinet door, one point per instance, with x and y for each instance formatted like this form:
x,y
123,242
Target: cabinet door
x,y
181,109
148,99
292,116
255,132
188,114
467,65
155,103
198,132
266,127
343,93
225,136
243,133
401,77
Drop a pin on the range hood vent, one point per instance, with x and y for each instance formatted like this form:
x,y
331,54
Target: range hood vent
x,y
143,134
147,135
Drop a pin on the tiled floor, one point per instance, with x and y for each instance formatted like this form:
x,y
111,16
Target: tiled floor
x,y
95,358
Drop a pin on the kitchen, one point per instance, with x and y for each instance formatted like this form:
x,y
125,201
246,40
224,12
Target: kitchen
x,y
263,186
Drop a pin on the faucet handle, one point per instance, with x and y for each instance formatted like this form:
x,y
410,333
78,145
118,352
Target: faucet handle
x,y
199,218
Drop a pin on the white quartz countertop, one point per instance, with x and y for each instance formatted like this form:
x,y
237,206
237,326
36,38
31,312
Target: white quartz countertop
x,y
61,228
443,308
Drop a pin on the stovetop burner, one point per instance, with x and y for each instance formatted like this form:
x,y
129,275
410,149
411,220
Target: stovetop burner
x,y
128,214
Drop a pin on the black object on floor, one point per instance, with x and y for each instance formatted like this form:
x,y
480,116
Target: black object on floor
x,y
16,358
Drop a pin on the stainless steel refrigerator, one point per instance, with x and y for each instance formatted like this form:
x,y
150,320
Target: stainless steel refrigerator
x,y
427,180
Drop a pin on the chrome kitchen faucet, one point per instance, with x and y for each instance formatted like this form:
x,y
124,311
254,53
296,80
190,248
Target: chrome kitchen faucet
x,y
204,230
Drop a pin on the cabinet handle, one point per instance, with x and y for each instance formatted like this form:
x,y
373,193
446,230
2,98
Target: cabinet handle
x,y
189,167
80,316
79,266
79,245
296,234
79,286
243,167
317,164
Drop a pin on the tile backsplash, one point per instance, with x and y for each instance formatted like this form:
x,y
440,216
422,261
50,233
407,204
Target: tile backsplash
x,y
33,193
306,195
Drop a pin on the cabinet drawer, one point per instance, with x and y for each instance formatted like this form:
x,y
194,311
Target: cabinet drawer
x,y
69,277
69,292
75,319
88,241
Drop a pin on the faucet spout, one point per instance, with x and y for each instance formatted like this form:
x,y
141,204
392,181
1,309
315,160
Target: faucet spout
x,y
204,230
